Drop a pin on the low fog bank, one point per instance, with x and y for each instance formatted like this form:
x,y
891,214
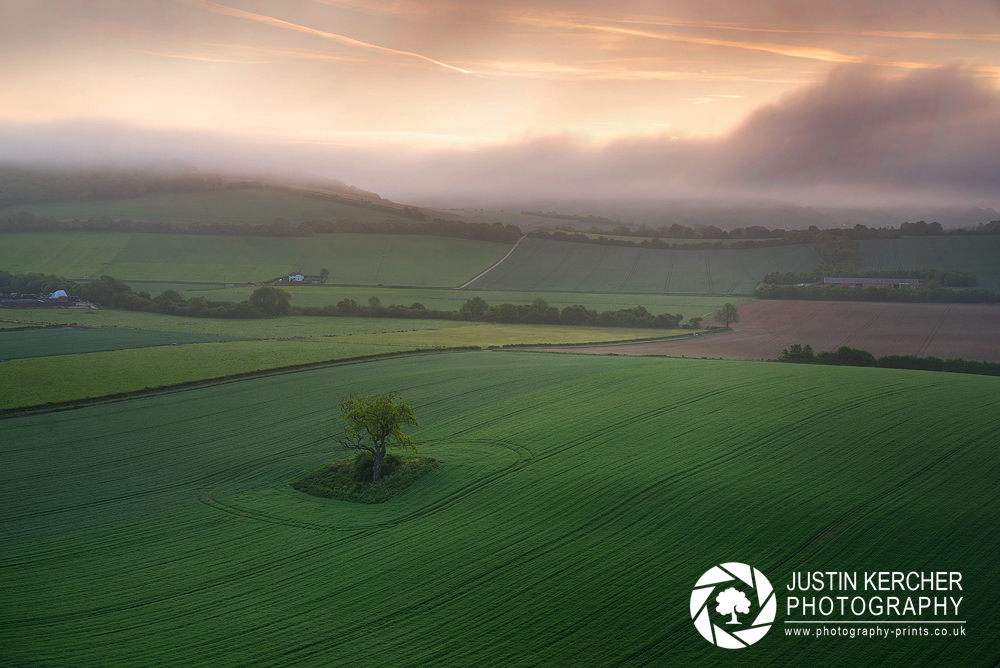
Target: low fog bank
x,y
860,147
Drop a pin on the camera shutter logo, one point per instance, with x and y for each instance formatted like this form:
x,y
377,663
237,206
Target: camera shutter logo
x,y
731,602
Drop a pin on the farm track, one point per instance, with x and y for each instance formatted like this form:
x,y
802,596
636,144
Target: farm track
x,y
979,251
937,253
872,319
555,269
767,327
630,272
514,267
934,332
774,258
670,270
604,254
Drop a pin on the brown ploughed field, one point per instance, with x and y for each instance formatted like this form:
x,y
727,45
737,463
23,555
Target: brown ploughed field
x,y
971,331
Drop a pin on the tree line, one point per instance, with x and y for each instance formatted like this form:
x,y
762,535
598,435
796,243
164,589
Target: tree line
x,y
279,227
945,278
269,301
759,232
847,356
926,295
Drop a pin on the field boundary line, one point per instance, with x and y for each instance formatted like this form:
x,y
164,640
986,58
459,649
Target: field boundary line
x,y
59,406
553,270
495,265
774,258
670,270
638,256
934,332
979,250
604,254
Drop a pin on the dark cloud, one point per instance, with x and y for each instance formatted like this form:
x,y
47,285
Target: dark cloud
x,y
859,138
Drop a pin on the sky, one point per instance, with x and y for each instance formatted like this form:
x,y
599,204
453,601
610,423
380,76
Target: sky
x,y
443,101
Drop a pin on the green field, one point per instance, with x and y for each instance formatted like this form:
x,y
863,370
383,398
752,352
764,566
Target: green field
x,y
579,501
73,255
45,342
262,328
434,333
354,259
538,264
497,334
222,206
58,378
978,254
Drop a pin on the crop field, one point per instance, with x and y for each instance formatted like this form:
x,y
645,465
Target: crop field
x,y
766,327
978,254
72,255
452,300
539,264
263,328
497,334
221,206
579,501
57,378
67,341
354,259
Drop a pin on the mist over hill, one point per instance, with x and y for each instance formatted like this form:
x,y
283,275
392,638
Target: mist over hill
x,y
862,146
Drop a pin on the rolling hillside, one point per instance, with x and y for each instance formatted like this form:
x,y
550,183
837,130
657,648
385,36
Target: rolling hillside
x,y
353,259
579,501
978,254
541,264
256,206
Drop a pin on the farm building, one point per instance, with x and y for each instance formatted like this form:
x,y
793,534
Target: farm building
x,y
295,277
912,283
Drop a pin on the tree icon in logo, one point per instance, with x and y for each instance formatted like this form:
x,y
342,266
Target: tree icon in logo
x,y
732,601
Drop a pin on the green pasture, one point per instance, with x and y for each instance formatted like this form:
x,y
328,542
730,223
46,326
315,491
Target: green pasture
x,y
67,341
498,334
539,264
433,333
354,259
58,378
579,501
978,254
72,255
452,300
256,206
365,259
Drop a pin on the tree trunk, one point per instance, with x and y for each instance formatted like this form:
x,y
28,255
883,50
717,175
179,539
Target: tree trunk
x,y
377,468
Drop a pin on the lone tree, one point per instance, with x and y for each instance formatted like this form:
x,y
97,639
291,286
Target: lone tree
x,y
375,423
727,314
732,601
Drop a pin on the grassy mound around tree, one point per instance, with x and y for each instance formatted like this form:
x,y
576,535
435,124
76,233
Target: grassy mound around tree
x,y
351,479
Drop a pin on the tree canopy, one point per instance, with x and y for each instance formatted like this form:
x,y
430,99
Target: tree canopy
x,y
375,423
727,314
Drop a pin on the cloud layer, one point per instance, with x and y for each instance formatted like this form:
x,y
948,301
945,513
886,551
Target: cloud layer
x,y
861,137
